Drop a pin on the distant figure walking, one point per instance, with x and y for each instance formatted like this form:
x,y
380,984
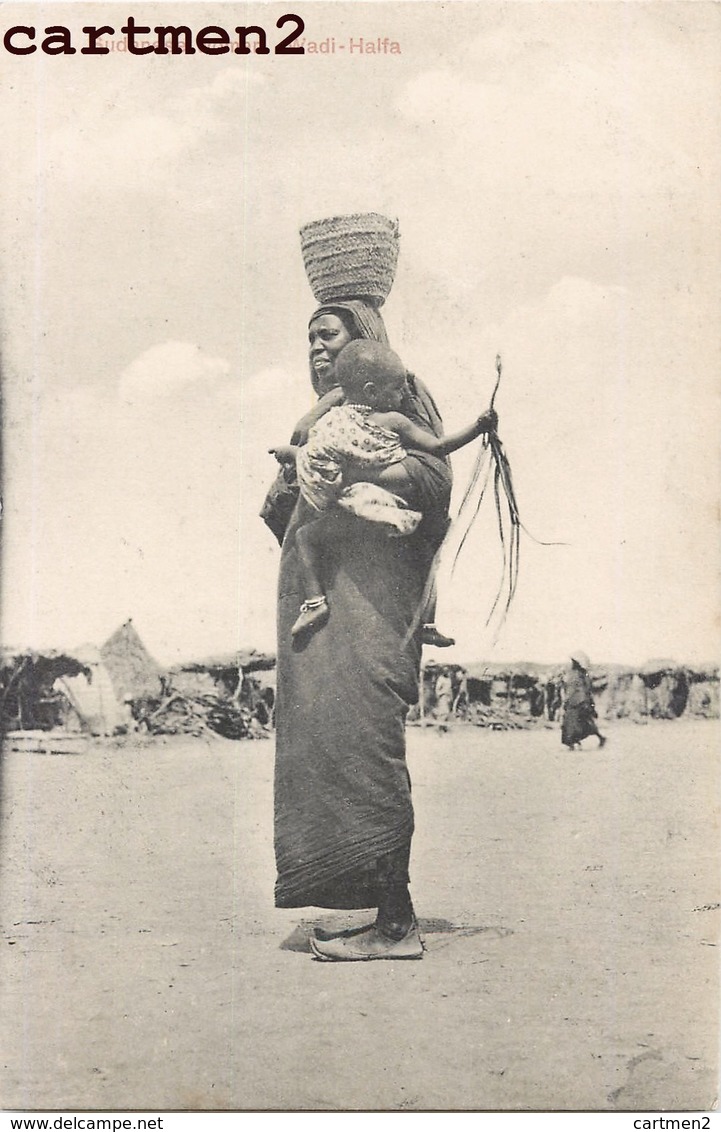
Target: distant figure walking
x,y
579,713
443,710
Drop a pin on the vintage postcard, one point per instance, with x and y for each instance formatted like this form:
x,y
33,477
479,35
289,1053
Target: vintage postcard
x,y
261,262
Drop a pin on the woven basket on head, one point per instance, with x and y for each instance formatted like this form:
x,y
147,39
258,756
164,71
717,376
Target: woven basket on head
x,y
350,257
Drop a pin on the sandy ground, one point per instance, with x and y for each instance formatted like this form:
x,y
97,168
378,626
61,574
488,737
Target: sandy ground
x,y
569,904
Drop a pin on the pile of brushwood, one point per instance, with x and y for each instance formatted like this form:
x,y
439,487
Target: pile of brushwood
x,y
499,719
177,713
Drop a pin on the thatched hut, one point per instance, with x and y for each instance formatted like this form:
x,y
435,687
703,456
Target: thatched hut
x,y
54,690
703,692
224,672
134,673
245,679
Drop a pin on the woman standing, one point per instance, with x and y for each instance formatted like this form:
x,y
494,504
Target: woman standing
x,y
343,810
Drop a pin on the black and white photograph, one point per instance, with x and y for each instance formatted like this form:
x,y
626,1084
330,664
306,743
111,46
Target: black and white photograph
x,y
360,607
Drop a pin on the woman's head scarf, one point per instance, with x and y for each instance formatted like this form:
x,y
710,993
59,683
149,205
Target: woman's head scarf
x,y
365,320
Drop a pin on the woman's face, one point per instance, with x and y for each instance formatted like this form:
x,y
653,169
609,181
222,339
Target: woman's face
x,y
327,335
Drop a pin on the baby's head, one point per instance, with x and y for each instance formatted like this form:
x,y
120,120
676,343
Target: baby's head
x,y
370,373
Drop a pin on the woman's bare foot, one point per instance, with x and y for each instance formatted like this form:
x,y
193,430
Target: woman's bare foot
x,y
370,943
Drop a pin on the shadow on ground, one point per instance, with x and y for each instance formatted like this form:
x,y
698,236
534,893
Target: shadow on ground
x,y
436,933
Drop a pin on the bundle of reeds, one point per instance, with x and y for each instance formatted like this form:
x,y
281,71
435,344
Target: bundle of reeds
x,y
492,463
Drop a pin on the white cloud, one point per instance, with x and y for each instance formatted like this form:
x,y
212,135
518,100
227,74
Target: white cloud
x,y
562,137
227,87
170,368
113,146
107,148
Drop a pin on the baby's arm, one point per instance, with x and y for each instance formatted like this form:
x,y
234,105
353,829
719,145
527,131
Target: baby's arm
x,y
412,436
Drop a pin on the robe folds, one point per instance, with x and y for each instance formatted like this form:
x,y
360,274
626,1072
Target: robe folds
x,y
342,789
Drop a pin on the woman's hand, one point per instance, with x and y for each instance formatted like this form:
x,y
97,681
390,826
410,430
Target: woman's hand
x,y
284,453
488,421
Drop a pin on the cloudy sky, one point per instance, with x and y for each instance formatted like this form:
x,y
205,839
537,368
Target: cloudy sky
x,y
555,171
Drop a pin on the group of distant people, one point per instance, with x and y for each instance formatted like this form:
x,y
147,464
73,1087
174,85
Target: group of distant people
x,y
574,696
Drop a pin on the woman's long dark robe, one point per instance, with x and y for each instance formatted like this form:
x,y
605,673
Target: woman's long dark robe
x,y
579,713
342,790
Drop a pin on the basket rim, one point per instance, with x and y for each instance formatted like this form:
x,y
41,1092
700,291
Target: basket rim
x,y
388,221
